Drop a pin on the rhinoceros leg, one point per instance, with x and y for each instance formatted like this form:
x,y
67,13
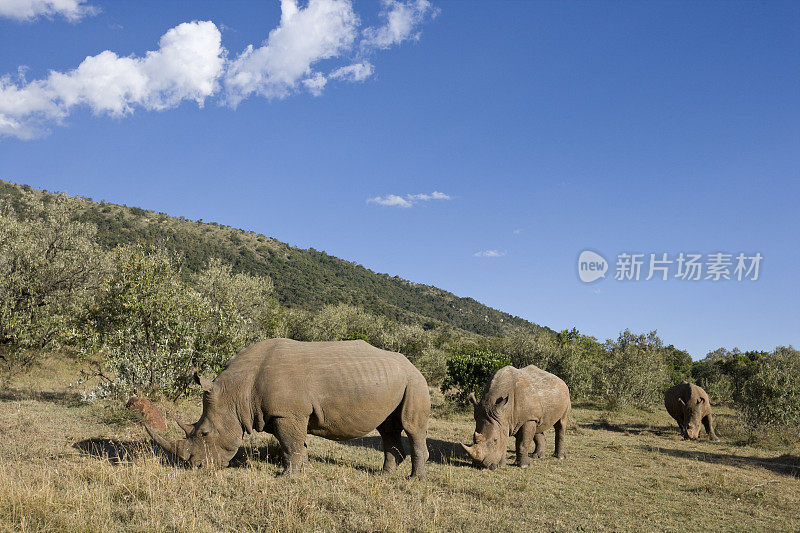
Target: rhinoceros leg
x,y
523,441
708,422
538,439
291,434
393,452
414,413
561,429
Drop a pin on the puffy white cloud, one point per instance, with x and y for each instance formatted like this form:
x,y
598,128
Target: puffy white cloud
x,y
191,64
489,253
390,200
316,83
402,22
322,30
26,10
355,72
187,66
408,200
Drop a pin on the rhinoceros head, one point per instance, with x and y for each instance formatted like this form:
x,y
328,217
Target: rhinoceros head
x,y
211,441
692,416
490,440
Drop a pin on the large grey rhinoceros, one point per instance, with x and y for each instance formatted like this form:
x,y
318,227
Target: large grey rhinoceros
x,y
689,405
523,403
336,390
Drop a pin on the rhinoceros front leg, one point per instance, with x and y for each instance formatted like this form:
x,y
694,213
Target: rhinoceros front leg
x,y
291,434
523,441
708,422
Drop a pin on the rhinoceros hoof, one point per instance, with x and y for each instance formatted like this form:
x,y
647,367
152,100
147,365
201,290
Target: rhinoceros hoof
x,y
560,457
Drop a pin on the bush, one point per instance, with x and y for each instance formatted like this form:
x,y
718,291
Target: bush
x,y
48,266
772,395
153,328
633,371
469,371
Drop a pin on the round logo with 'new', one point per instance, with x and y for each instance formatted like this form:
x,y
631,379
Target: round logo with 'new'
x,y
591,266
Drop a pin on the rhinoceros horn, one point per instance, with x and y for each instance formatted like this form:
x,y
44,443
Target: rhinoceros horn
x,y
470,450
169,445
186,427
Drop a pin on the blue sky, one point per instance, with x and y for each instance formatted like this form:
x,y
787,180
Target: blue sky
x,y
551,128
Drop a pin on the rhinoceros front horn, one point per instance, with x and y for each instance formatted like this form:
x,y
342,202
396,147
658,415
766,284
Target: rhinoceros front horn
x,y
169,445
470,450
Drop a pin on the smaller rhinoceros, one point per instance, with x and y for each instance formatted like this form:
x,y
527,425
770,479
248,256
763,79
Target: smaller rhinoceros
x,y
523,403
688,404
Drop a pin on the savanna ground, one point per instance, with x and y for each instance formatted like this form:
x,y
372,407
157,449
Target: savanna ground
x,y
67,465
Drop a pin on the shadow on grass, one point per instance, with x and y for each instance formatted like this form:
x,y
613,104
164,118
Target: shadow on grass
x,y
785,464
68,399
121,451
440,451
632,429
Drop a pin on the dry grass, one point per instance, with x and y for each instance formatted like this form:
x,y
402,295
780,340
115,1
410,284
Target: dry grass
x,y
69,466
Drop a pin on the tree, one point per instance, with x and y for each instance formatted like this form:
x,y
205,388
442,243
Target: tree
x,y
152,327
48,266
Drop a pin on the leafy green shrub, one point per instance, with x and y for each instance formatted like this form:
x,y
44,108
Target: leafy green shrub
x,y
48,266
633,371
153,328
469,370
772,395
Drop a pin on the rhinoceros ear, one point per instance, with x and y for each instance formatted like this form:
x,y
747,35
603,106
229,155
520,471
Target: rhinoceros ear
x,y
472,399
205,383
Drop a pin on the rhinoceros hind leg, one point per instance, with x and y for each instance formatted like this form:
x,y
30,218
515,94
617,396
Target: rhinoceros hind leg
x,y
393,451
561,429
291,434
538,451
414,413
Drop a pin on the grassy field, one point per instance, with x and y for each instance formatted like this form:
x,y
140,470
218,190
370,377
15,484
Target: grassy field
x,y
66,465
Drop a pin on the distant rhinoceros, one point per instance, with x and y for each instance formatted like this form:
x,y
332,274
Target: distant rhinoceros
x,y
689,405
523,403
336,390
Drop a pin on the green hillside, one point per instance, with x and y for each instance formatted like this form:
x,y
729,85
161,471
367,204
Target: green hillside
x,y
306,279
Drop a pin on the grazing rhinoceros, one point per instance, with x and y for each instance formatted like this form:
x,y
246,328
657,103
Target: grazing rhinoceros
x,y
688,404
520,402
336,390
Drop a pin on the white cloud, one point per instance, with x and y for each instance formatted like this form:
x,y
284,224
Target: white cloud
x,y
435,195
191,64
322,30
489,253
186,66
390,200
27,10
408,200
355,72
402,22
315,84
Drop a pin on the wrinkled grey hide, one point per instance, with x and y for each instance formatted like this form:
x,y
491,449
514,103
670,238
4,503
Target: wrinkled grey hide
x,y
336,390
523,403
